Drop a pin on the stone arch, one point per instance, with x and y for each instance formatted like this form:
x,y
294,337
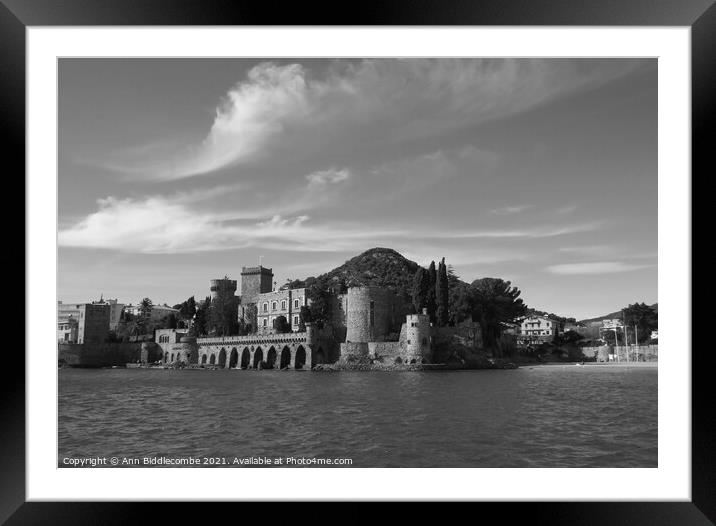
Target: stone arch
x,y
258,357
398,360
203,359
245,358
300,360
234,358
271,358
172,358
222,358
212,360
166,357
285,358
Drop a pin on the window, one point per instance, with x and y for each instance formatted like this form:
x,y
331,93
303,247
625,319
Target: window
x,y
273,305
372,313
283,305
265,322
295,320
295,303
265,307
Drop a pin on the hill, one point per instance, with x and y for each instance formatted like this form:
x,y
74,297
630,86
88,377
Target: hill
x,y
380,267
611,315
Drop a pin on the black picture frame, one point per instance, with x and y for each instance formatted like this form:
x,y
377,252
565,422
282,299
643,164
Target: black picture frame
x,y
700,15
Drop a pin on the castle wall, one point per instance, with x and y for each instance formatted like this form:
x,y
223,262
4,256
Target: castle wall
x,y
99,354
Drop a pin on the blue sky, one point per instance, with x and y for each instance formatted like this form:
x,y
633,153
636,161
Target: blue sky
x,y
540,171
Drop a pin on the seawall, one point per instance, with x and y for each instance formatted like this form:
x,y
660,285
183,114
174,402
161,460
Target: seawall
x,y
97,355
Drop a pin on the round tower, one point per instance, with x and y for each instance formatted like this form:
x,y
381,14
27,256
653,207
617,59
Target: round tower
x,y
188,350
225,288
367,314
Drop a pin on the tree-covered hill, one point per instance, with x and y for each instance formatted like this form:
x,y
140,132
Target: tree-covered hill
x,y
614,315
380,267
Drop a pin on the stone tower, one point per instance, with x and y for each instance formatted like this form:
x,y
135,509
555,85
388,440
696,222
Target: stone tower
x,y
255,281
223,288
368,314
417,332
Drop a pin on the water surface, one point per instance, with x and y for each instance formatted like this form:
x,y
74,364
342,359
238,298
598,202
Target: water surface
x,y
544,416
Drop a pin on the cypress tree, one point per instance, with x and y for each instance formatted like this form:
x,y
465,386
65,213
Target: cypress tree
x,y
441,295
430,301
421,288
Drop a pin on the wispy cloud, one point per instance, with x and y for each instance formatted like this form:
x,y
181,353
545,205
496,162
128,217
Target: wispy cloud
x,y
566,210
597,267
537,232
325,177
162,226
509,210
372,102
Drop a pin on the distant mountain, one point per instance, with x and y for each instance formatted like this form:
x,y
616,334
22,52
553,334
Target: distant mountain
x,y
611,315
383,267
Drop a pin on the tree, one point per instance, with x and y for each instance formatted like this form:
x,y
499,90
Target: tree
x,y
171,321
442,295
141,324
645,318
303,317
320,306
281,325
187,309
431,300
460,304
421,289
145,308
223,317
495,302
200,326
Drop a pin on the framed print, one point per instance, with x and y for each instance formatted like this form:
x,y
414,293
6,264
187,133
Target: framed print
x,y
434,239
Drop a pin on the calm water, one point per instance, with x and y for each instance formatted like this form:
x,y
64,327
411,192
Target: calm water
x,y
549,416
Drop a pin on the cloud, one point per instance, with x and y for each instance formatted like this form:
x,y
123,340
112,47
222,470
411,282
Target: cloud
x,y
286,109
159,225
509,210
325,177
566,210
598,267
539,232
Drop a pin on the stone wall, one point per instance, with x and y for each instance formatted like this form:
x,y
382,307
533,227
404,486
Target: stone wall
x,y
98,355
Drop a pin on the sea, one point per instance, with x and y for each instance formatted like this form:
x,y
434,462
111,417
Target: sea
x,y
543,416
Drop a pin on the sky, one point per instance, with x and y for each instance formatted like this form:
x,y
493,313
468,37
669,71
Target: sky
x,y
543,172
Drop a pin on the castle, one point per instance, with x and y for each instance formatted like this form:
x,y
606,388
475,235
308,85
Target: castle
x,y
363,328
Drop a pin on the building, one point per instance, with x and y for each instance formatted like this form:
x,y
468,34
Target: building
x,y
286,303
158,312
537,329
67,330
115,312
172,348
92,321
